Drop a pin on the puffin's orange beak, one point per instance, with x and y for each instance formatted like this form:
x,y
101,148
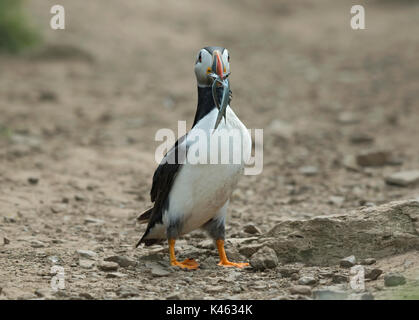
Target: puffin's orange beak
x,y
218,65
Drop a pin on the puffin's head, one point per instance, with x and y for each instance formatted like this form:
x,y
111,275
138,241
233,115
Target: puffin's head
x,y
210,61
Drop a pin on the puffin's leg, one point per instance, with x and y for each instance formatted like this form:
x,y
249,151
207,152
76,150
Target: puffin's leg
x,y
216,229
223,257
187,263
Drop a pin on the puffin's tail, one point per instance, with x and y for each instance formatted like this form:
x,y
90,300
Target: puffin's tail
x,y
145,216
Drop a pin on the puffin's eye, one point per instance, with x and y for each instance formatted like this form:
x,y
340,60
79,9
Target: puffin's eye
x,y
200,57
228,58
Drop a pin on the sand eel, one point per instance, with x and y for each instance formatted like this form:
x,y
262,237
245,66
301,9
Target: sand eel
x,y
189,196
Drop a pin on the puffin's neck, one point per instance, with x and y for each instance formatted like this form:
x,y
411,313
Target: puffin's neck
x,y
206,102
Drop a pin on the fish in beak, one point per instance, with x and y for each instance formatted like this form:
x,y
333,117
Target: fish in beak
x,y
220,80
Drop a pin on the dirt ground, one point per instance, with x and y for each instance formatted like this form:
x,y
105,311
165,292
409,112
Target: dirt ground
x,y
78,119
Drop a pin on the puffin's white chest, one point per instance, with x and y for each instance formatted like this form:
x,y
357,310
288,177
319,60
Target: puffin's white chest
x,y
200,190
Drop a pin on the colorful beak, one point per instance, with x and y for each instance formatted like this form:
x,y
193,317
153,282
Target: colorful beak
x,y
217,65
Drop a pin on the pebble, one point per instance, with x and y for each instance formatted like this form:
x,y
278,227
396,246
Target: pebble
x,y
300,289
339,278
6,241
307,280
214,289
88,254
251,229
368,261
206,244
348,262
329,294
86,295
264,258
336,200
125,291
86,263
122,261
359,137
158,270
403,178
93,220
37,244
372,274
250,249
112,275
288,272
175,296
393,279
33,180
309,171
373,158
347,117
108,266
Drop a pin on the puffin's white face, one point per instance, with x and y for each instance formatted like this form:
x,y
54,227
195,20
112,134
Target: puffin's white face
x,y
211,60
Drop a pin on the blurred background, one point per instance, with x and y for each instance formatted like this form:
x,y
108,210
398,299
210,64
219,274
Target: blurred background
x,y
79,107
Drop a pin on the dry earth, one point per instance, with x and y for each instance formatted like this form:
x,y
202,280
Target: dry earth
x,y
77,125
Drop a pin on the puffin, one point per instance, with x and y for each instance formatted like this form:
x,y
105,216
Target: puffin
x,y
190,195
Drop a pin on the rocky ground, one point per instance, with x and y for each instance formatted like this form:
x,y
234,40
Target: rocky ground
x,y
339,109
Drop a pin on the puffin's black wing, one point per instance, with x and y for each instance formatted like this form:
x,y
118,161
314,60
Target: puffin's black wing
x,y
163,179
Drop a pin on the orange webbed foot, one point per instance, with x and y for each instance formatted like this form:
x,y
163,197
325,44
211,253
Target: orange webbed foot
x,y
189,264
229,264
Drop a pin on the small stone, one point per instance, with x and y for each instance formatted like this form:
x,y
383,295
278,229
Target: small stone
x,y
403,178
300,289
175,296
37,244
58,208
86,295
307,281
309,171
368,261
348,262
394,279
93,220
373,158
329,294
6,241
78,197
214,289
113,275
33,180
86,264
339,278
108,266
347,117
54,259
127,291
359,137
123,261
349,162
251,229
42,293
264,258
47,96
206,244
159,271
336,200
372,274
249,250
88,254
288,272
367,296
